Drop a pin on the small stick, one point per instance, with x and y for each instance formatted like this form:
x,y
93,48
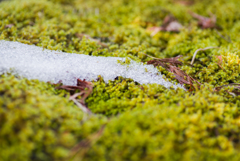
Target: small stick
x,y
83,108
228,40
195,53
75,95
151,56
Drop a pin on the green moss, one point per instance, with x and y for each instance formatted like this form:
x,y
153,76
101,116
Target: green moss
x,y
145,122
37,124
190,127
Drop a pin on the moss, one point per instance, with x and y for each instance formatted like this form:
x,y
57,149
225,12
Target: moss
x,y
194,127
143,122
37,124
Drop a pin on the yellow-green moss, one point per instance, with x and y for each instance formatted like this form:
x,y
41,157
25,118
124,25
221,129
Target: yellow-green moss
x,y
36,123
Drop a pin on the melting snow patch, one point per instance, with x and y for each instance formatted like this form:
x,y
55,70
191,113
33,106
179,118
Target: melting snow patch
x,y
33,62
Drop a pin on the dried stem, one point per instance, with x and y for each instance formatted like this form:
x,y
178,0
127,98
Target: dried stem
x,y
83,108
227,39
234,93
83,146
81,85
151,56
195,53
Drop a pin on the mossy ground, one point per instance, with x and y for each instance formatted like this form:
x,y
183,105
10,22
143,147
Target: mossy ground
x,y
138,122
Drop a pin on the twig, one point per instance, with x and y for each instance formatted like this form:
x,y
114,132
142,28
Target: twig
x,y
231,84
195,53
227,39
234,93
164,59
83,108
83,146
75,95
151,56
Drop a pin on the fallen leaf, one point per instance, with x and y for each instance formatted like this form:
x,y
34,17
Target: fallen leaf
x,y
205,22
85,89
162,62
170,24
171,65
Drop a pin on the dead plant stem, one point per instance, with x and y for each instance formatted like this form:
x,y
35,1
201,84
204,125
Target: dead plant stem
x,y
195,53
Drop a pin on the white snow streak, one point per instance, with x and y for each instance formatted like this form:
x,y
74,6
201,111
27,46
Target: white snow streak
x,y
33,62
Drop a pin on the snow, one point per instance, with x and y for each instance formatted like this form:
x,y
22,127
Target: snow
x,y
33,62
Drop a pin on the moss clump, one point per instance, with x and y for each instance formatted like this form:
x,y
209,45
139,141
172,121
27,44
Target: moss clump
x,y
199,127
121,95
36,124
145,122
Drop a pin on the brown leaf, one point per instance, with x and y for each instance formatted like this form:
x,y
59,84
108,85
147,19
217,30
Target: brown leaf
x,y
170,24
181,76
85,90
171,65
205,22
162,62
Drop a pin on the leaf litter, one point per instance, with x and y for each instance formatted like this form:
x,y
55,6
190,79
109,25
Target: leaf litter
x,y
83,89
171,65
206,22
170,24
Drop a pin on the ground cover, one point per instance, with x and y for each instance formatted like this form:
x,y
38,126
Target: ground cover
x,y
128,121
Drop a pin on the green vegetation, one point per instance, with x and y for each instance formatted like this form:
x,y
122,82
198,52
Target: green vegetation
x,y
37,123
131,121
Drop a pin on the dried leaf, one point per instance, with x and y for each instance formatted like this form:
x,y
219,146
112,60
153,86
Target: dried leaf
x,y
205,22
161,62
170,24
171,65
85,90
